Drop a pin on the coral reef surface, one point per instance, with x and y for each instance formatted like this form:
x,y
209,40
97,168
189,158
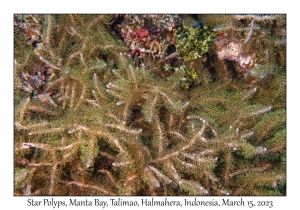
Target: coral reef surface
x,y
149,104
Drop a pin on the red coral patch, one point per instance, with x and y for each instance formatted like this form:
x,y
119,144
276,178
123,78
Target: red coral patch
x,y
141,33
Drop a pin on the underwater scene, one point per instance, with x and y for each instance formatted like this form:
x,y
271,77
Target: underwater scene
x,y
150,104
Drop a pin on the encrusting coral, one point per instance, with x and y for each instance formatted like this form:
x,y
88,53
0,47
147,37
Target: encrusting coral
x,y
89,120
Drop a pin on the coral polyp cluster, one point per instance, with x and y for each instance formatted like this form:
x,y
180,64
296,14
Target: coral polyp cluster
x,y
96,116
147,35
231,49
